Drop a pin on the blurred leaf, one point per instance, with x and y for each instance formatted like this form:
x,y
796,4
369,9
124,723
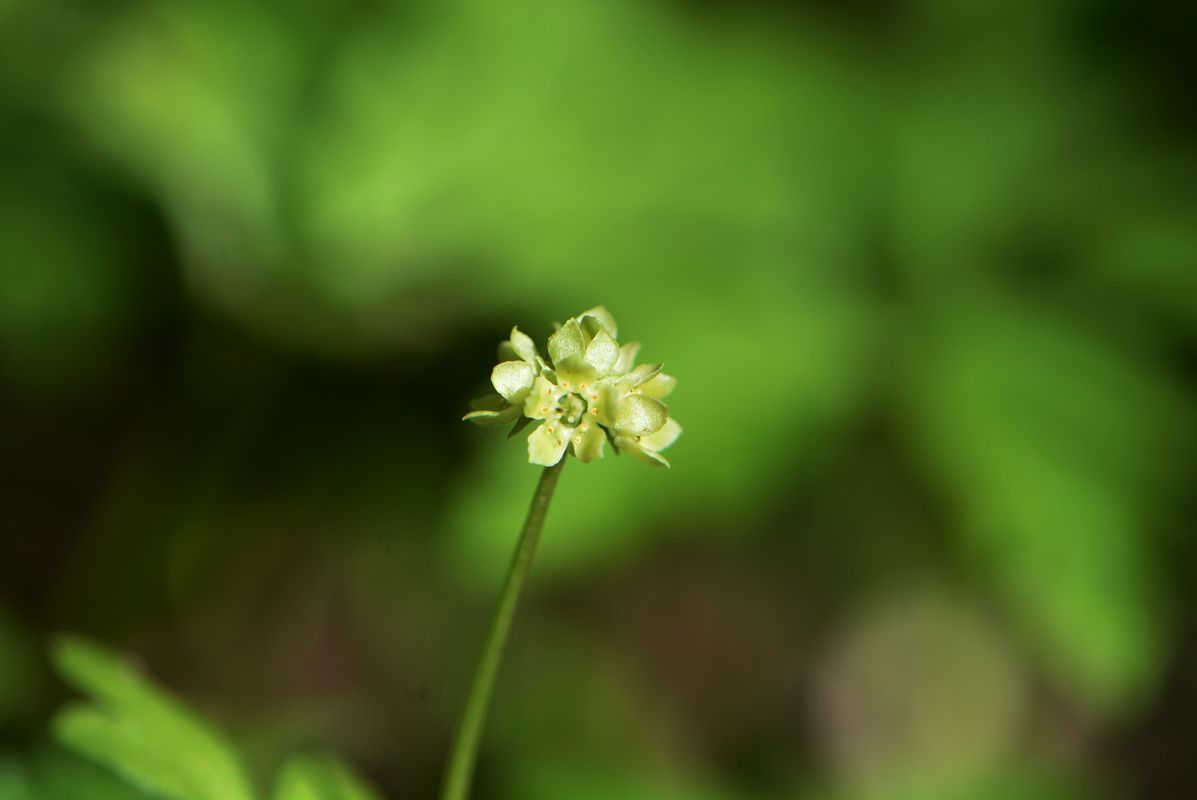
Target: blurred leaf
x,y
1152,259
14,782
407,167
53,774
69,262
1054,442
320,778
58,775
141,732
193,99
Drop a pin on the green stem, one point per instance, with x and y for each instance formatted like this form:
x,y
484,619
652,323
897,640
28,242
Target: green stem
x,y
460,767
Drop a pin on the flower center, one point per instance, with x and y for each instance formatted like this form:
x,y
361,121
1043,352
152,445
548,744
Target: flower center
x,y
573,409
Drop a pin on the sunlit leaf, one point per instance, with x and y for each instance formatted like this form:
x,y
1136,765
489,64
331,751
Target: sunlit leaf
x,y
320,778
14,782
1053,443
141,732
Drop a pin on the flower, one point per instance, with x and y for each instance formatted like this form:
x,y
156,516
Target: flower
x,y
588,393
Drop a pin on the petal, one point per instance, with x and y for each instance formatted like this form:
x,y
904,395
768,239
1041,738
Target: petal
x,y
638,415
589,440
524,347
602,353
627,357
491,418
566,342
513,379
542,400
629,445
489,402
659,386
603,317
546,444
574,374
662,438
603,399
641,374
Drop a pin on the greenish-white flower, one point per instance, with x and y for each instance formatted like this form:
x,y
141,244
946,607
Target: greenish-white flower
x,y
587,393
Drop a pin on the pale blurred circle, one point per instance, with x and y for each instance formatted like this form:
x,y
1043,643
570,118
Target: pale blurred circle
x,y
919,695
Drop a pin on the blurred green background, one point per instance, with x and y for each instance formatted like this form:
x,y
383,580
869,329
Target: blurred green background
x,y
926,272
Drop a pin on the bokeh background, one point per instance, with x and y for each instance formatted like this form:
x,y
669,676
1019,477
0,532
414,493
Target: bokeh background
x,y
926,271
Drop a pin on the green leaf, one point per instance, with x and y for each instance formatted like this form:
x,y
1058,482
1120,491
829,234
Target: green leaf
x,y
142,733
320,778
54,774
1051,440
14,783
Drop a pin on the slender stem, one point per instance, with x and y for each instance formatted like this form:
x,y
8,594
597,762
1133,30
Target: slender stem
x,y
460,767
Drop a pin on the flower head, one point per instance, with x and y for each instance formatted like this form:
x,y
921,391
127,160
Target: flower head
x,y
587,393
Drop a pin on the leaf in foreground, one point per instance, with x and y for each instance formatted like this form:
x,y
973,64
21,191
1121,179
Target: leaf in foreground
x,y
320,778
142,733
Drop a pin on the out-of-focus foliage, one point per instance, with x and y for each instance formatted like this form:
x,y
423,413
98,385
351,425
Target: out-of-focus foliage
x,y
141,733
54,775
253,257
311,778
159,745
